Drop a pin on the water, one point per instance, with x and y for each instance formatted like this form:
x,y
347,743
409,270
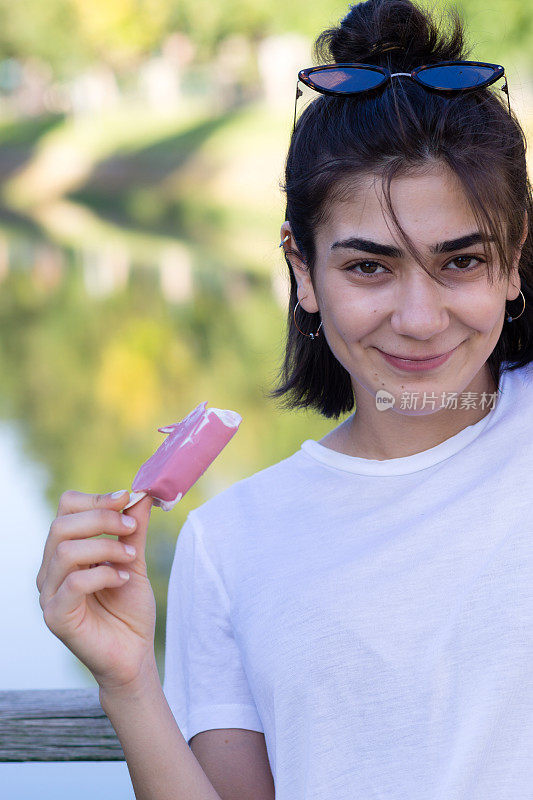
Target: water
x,y
26,521
88,306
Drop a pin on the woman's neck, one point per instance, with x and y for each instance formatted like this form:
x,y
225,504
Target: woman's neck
x,y
381,435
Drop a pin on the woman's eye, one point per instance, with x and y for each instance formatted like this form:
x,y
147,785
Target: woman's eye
x,y
465,258
365,265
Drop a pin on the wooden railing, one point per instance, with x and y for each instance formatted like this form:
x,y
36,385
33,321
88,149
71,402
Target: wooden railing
x,y
56,725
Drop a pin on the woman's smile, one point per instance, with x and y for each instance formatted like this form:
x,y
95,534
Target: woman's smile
x,y
418,364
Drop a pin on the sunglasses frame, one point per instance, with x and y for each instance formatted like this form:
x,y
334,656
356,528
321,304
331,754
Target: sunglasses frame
x,y
304,75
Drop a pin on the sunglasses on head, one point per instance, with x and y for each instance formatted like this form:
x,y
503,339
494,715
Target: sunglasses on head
x,y
343,80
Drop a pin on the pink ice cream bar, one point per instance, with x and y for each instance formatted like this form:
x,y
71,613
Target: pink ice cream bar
x,y
190,447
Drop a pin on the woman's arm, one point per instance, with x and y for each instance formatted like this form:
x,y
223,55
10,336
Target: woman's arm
x,y
236,762
160,763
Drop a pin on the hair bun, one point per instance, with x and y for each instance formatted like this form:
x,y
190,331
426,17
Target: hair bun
x,y
391,32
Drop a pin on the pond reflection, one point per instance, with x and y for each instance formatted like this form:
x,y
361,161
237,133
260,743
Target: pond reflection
x,y
100,347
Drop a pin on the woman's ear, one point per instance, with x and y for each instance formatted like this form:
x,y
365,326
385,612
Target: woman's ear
x,y
306,293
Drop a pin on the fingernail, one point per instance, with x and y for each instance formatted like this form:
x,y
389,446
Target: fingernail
x,y
129,521
117,494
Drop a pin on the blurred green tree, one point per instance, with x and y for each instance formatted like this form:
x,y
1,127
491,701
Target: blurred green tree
x,y
121,30
69,33
48,31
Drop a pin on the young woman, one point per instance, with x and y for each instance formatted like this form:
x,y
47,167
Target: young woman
x,y
355,621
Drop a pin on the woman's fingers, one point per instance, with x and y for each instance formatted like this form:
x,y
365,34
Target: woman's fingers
x,y
140,512
72,501
80,525
60,612
89,523
71,555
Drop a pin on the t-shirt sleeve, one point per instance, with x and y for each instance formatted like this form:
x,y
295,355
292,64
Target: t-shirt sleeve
x,y
205,684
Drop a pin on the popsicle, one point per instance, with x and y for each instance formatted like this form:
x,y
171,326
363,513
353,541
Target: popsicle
x,y
190,447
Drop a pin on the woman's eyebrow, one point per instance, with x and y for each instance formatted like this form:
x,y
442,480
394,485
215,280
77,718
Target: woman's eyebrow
x,y
377,249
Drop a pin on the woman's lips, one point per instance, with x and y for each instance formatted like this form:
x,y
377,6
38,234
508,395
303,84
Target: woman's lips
x,y
417,366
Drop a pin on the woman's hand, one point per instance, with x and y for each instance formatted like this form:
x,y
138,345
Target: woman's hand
x,y
107,621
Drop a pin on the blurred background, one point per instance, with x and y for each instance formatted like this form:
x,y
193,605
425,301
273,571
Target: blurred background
x,y
142,143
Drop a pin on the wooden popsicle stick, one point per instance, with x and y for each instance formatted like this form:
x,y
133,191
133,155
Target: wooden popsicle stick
x,y
134,498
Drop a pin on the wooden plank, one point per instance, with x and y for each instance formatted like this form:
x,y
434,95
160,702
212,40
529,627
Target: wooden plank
x,y
56,725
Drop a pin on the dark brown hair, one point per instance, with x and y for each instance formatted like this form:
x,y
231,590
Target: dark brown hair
x,y
400,129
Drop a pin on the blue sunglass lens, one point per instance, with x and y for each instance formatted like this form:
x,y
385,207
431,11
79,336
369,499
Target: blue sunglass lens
x,y
347,80
455,76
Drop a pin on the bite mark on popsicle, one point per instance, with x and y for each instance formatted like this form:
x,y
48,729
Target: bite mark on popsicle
x,y
190,447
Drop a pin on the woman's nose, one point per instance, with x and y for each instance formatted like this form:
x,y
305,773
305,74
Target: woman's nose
x,y
419,309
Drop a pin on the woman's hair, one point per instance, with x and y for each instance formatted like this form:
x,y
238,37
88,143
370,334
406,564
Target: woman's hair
x,y
396,131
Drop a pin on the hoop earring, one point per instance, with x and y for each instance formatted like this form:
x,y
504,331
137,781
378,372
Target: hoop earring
x,y
310,335
512,319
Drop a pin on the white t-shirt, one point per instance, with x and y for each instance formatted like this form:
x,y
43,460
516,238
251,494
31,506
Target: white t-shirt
x,y
373,618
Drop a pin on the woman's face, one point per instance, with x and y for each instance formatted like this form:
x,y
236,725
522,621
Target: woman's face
x,y
373,300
